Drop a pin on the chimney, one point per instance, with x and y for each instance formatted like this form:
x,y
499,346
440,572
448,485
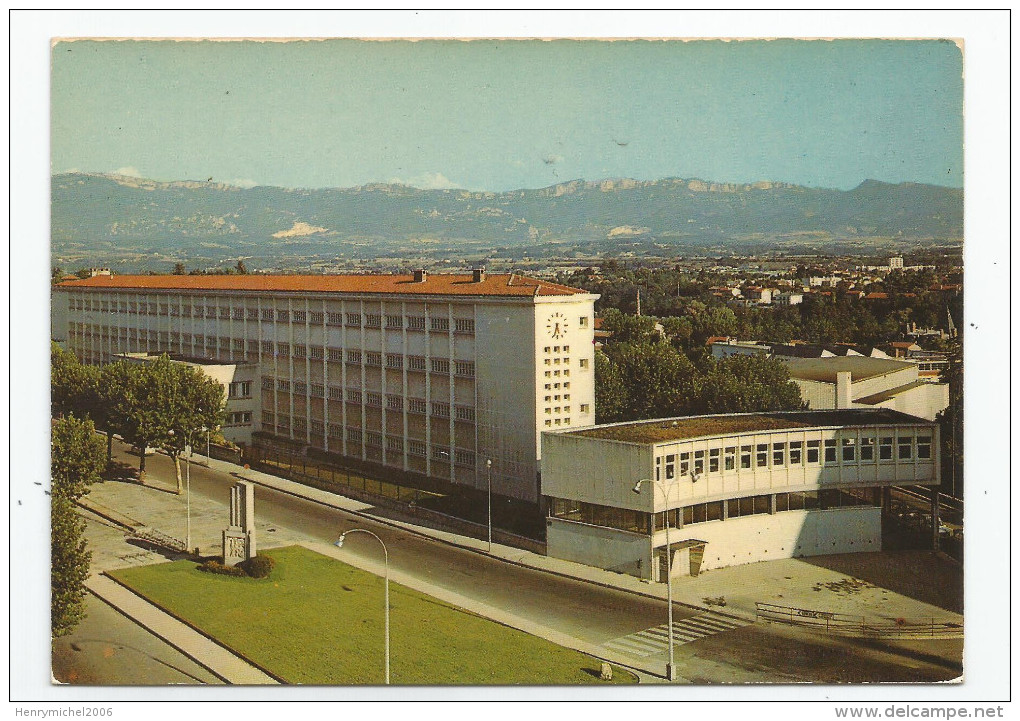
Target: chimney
x,y
843,389
477,275
419,275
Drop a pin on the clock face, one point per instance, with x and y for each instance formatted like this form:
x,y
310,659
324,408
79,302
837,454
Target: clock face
x,y
556,326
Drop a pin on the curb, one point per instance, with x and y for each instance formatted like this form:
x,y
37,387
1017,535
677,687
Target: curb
x,y
119,519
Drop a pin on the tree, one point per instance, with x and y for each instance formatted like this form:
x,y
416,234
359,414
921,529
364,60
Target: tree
x,y
76,462
168,402
610,393
179,269
73,386
748,384
657,380
241,268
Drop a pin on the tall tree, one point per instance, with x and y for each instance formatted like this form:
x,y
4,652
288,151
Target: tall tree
x,y
610,393
169,402
76,462
746,384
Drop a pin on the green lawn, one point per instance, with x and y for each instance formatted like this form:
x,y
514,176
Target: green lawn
x,y
316,620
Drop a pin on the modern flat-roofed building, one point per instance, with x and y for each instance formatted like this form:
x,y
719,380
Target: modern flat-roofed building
x,y
430,375
733,489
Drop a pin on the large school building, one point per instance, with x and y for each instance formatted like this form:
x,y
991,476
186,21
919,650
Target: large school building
x,y
428,374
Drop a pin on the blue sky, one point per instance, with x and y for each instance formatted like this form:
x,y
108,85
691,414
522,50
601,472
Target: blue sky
x,y
498,115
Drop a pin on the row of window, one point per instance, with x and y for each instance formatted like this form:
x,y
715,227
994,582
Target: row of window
x,y
281,423
239,418
271,315
417,406
794,453
642,522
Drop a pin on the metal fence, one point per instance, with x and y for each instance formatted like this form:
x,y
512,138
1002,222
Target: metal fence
x,y
851,625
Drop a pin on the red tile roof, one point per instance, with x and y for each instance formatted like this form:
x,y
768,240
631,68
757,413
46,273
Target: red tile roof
x,y
435,284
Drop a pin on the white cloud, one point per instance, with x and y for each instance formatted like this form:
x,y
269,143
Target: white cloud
x,y
243,182
129,170
428,181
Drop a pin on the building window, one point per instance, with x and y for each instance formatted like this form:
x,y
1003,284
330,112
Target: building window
x,y
373,399
416,363
395,403
373,321
300,351
373,358
778,455
440,453
465,369
283,384
336,393
354,435
335,354
336,430
670,466
318,390
745,457
282,316
373,439
394,361
239,418
317,352
300,388
266,314
439,323
465,413
762,456
812,451
334,319
867,449
317,317
830,450
906,448
924,447
354,356
795,452
463,458
849,450
583,362
300,317
416,322
585,408
417,405
713,460
250,314
394,321
354,319
267,383
353,396
440,409
583,321
318,429
885,448
699,462
239,389
283,423
730,458
464,325
416,448
440,365
394,444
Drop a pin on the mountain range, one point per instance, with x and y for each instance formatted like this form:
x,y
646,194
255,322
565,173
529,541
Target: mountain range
x,y
126,214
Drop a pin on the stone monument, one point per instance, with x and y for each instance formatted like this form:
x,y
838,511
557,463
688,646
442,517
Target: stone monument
x,y
239,537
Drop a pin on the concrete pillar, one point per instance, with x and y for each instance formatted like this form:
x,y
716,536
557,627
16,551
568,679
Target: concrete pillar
x,y
844,381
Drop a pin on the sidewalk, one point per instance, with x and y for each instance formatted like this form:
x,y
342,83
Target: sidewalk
x,y
880,586
207,653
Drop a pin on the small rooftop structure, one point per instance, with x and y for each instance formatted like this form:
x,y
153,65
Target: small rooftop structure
x,y
826,369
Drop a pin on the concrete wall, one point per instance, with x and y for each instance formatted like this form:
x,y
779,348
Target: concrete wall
x,y
788,534
925,401
607,548
596,471
817,394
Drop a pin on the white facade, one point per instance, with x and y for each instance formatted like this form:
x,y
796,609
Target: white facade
x,y
767,486
389,372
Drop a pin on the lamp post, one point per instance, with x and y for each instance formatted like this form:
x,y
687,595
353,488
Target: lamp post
x,y
386,558
488,475
670,667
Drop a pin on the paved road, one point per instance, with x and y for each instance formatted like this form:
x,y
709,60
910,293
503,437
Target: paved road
x,y
595,614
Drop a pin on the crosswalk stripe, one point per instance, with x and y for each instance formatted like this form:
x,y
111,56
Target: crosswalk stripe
x,y
656,639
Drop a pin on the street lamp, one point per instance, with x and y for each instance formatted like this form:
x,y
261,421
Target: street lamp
x,y
670,667
488,474
386,558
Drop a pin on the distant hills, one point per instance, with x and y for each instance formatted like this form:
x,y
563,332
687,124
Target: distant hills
x,y
177,219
